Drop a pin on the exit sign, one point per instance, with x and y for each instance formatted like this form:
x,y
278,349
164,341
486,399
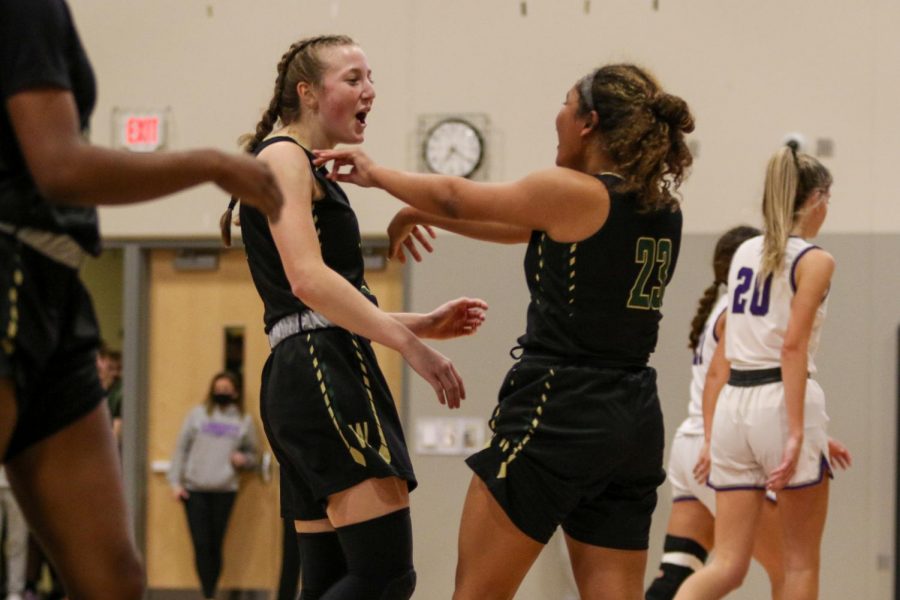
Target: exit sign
x,y
140,130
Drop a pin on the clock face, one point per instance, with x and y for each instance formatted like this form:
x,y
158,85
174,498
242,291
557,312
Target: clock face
x,y
453,147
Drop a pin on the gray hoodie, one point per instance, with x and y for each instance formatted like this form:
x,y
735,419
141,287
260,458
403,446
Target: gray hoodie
x,y
202,458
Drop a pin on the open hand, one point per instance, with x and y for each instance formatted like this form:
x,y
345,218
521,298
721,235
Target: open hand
x,y
252,181
404,231
238,460
704,462
839,454
455,318
179,493
438,371
782,475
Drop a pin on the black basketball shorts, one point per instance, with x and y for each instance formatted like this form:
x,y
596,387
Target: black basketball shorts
x,y
330,419
49,336
577,446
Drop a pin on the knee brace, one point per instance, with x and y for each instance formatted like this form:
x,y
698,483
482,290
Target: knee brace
x,y
379,560
681,557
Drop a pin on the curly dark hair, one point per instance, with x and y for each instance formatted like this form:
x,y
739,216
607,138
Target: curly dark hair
x,y
642,128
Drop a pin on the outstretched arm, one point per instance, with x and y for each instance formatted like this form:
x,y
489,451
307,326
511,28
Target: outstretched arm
x,y
567,204
411,226
67,169
455,318
404,231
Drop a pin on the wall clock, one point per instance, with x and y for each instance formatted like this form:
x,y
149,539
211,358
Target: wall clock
x,y
453,146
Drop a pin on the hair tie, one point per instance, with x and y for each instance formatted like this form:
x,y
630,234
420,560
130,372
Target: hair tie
x,y
225,221
794,145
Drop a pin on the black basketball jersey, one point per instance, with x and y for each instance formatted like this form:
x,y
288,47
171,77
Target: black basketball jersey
x,y
40,48
339,240
600,299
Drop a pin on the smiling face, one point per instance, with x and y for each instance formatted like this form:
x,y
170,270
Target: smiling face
x,y
345,95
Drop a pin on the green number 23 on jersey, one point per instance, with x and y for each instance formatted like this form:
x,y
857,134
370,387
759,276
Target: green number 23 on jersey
x,y
647,293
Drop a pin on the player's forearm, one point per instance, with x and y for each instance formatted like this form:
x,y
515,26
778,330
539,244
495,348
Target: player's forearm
x,y
715,381
794,374
418,323
90,175
331,295
433,194
500,233
716,378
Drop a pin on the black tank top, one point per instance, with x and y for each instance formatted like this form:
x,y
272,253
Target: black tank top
x,y
339,240
600,299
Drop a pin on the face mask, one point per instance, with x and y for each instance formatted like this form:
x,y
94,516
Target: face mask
x,y
222,399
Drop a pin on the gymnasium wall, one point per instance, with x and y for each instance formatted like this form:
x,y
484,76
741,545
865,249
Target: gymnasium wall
x,y
104,277
751,72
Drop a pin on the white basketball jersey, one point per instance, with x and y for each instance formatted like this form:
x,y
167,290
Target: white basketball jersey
x,y
706,346
758,312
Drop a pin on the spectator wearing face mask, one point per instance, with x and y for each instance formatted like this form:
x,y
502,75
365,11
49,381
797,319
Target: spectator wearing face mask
x,y
218,439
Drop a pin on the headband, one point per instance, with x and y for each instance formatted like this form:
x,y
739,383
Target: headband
x,y
586,87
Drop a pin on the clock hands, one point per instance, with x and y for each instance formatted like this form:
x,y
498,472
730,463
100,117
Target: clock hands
x,y
453,151
453,147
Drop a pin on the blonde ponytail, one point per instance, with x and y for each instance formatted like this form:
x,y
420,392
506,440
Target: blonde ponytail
x,y
778,209
791,179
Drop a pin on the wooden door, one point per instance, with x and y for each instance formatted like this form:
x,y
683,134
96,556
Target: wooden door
x,y
189,314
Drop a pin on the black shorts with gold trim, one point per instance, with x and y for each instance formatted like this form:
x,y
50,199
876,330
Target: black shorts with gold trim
x,y
49,336
330,419
578,446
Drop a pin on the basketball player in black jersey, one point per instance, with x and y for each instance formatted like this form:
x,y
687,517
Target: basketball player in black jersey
x,y
326,408
578,433
55,435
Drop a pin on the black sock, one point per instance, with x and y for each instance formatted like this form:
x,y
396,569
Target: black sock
x,y
322,563
379,560
289,578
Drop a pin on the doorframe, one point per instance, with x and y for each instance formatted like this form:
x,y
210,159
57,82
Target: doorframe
x,y
897,480
135,283
135,379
